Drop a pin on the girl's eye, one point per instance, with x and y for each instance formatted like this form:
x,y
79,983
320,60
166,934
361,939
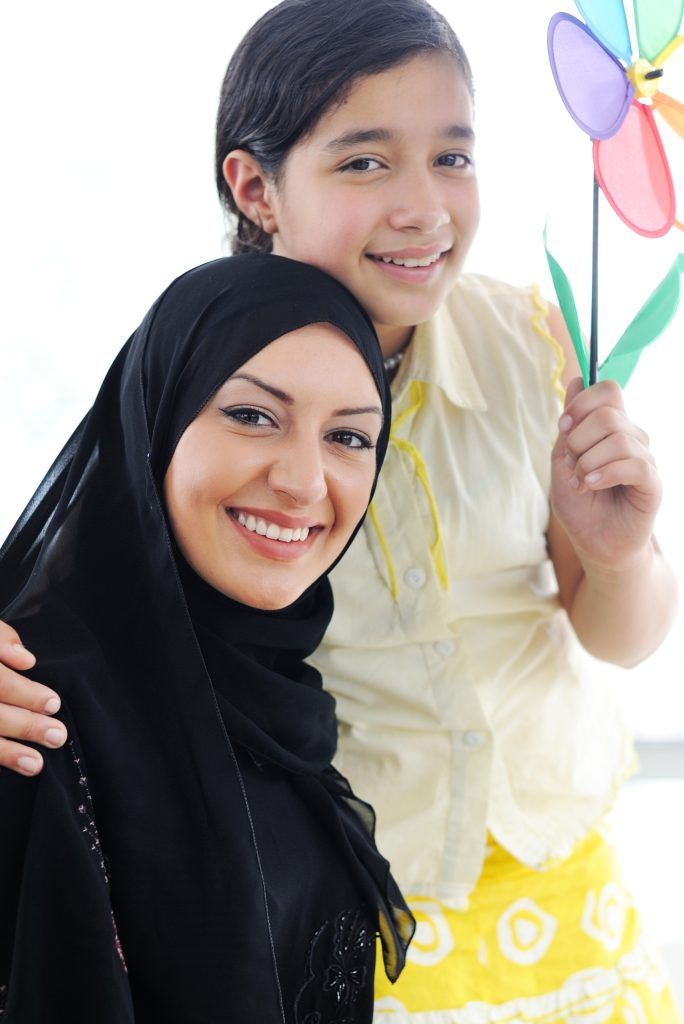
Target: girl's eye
x,y
362,163
458,160
349,439
248,416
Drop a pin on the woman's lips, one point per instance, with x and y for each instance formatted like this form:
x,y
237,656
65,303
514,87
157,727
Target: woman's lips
x,y
272,540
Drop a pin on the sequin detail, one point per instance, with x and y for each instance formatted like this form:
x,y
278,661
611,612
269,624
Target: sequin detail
x,y
338,974
3,999
89,830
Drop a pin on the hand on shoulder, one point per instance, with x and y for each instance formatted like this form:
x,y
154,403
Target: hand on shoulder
x,y
25,708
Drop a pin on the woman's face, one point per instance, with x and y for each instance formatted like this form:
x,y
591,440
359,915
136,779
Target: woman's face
x,y
385,180
267,484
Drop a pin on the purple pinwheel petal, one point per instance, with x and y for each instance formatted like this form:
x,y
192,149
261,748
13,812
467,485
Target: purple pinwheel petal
x,y
608,22
592,82
632,169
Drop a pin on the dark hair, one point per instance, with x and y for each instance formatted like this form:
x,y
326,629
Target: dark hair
x,y
300,58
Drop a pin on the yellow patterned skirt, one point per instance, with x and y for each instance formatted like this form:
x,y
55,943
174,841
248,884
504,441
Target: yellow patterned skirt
x,y
561,946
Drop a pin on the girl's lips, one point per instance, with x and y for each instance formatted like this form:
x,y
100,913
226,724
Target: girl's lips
x,y
278,550
411,275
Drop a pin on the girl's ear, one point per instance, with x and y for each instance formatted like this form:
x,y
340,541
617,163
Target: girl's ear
x,y
252,190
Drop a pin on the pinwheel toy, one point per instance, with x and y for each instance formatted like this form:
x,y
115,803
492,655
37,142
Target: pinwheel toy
x,y
613,98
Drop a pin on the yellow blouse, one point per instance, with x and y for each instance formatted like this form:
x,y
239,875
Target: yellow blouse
x,y
463,697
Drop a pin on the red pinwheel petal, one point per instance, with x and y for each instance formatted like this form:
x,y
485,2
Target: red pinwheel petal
x,y
633,172
592,82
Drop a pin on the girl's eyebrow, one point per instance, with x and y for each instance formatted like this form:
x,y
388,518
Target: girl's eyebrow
x,y
359,136
289,400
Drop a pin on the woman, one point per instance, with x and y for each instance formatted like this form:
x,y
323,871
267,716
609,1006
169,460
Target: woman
x,y
191,855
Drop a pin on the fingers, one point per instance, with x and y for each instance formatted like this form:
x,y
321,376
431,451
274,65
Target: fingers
x,y
25,708
17,723
12,651
601,446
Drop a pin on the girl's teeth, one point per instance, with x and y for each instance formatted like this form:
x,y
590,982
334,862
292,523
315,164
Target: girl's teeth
x,y
270,530
426,261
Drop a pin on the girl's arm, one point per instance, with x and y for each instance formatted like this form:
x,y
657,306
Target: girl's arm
x,y
617,589
25,708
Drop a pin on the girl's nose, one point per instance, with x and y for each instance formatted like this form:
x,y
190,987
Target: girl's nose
x,y
419,207
298,473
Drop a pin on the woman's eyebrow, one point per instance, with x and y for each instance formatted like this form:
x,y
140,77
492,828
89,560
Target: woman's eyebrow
x,y
359,136
276,392
289,400
360,411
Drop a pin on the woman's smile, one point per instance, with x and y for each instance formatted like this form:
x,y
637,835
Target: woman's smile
x,y
274,539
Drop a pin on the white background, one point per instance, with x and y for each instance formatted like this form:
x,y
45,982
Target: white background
x,y
107,193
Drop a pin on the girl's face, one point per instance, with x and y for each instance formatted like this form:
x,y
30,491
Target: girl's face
x,y
383,193
268,482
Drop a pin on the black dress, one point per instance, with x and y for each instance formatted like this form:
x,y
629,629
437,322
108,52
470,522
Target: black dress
x,y
191,855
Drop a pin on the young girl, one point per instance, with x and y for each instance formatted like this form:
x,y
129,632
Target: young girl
x,y
467,716
153,872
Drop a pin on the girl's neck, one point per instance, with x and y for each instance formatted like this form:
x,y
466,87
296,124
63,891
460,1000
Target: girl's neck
x,y
393,338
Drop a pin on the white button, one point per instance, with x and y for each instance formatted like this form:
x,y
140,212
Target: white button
x,y
473,739
415,578
444,647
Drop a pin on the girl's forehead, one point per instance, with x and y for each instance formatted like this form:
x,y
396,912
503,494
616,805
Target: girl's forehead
x,y
430,88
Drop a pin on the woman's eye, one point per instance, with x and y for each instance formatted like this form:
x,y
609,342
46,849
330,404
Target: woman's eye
x,y
249,416
349,439
362,163
458,160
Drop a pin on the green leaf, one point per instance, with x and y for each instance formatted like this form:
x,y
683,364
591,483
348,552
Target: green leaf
x,y
566,301
649,323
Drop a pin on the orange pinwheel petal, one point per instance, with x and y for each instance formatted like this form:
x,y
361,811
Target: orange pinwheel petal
x,y
632,169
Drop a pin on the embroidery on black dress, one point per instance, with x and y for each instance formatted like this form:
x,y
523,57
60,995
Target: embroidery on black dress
x,y
89,829
340,965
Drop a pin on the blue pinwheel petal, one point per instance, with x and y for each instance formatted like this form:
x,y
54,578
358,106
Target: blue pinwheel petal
x,y
592,82
608,22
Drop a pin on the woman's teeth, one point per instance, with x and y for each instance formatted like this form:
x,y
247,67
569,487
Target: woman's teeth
x,y
271,530
426,261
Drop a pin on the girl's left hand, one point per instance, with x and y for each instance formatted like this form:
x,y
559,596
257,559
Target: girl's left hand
x,y
605,487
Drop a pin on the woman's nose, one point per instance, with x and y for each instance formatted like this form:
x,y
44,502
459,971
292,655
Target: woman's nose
x,y
299,473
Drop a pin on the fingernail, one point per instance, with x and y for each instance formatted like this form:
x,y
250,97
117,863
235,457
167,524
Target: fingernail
x,y
570,461
54,737
28,765
565,423
592,478
574,482
51,705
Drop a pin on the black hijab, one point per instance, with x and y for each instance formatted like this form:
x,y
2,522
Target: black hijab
x,y
191,855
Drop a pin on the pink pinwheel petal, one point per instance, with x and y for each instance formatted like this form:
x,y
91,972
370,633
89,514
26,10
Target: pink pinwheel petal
x,y
656,24
608,22
592,82
632,170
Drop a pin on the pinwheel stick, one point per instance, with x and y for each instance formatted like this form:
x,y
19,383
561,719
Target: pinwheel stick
x,y
593,337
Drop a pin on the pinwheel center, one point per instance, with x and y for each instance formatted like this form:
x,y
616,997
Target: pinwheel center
x,y
645,78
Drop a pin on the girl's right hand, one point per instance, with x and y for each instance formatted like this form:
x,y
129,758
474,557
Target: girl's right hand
x,y
25,708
